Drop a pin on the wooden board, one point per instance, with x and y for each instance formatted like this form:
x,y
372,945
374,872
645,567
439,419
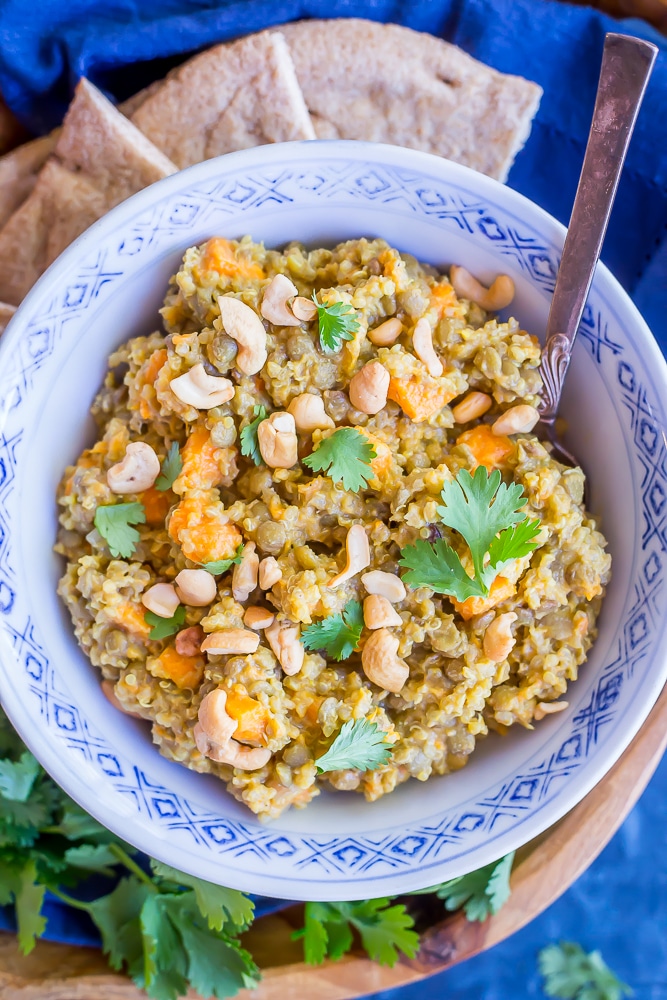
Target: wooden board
x,y
544,869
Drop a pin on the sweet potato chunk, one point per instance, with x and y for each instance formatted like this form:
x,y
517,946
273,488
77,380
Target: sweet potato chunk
x,y
489,449
220,255
419,400
130,617
252,717
500,590
184,671
200,526
156,504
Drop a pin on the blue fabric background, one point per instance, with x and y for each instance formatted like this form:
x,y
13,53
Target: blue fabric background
x,y
620,904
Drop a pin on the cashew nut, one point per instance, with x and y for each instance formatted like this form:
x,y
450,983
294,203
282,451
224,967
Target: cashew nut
x,y
188,641
304,309
379,613
258,618
244,577
269,573
369,387
497,296
381,663
385,585
517,420
283,638
244,758
386,333
358,555
278,443
230,640
196,587
137,472
422,341
498,640
199,389
161,599
309,415
275,306
544,708
474,405
214,721
111,696
243,325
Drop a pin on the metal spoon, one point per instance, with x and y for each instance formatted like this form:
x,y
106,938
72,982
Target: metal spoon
x,y
626,67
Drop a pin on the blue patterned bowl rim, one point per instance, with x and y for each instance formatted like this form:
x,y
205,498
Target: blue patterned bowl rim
x,y
284,859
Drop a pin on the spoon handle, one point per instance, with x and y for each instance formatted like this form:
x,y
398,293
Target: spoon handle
x,y
626,67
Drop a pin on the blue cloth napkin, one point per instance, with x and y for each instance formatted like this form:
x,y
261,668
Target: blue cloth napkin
x,y
122,45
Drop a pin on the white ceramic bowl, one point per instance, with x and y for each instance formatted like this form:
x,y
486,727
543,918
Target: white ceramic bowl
x,y
108,286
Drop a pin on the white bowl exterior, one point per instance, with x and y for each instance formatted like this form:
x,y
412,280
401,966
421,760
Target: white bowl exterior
x,y
107,287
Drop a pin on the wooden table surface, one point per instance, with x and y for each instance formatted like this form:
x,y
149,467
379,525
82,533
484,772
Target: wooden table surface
x,y
544,869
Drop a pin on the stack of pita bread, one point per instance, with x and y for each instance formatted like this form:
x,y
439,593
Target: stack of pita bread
x,y
383,83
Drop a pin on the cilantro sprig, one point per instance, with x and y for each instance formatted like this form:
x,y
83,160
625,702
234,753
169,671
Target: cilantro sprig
x,y
480,893
346,457
222,565
171,468
487,514
337,322
249,440
572,974
113,523
338,634
384,930
161,627
360,745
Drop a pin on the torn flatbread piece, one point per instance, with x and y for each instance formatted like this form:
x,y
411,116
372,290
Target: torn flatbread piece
x,y
6,313
18,173
100,159
230,97
386,83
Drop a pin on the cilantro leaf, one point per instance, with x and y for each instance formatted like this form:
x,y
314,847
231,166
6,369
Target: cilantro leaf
x,y
171,468
165,965
249,441
346,457
163,627
18,777
337,322
113,523
91,858
20,822
75,824
338,634
217,964
487,514
360,745
481,892
217,903
437,565
20,886
479,507
222,565
384,930
117,918
569,972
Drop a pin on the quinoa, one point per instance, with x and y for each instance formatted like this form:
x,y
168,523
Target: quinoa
x,y
454,694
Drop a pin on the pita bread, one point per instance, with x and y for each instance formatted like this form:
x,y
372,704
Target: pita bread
x,y
100,159
18,173
6,313
230,97
386,83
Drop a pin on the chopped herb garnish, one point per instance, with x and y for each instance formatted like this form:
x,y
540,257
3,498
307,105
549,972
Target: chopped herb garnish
x,y
346,457
360,745
163,627
222,565
338,634
113,523
481,892
337,322
249,442
572,974
487,514
170,469
384,930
